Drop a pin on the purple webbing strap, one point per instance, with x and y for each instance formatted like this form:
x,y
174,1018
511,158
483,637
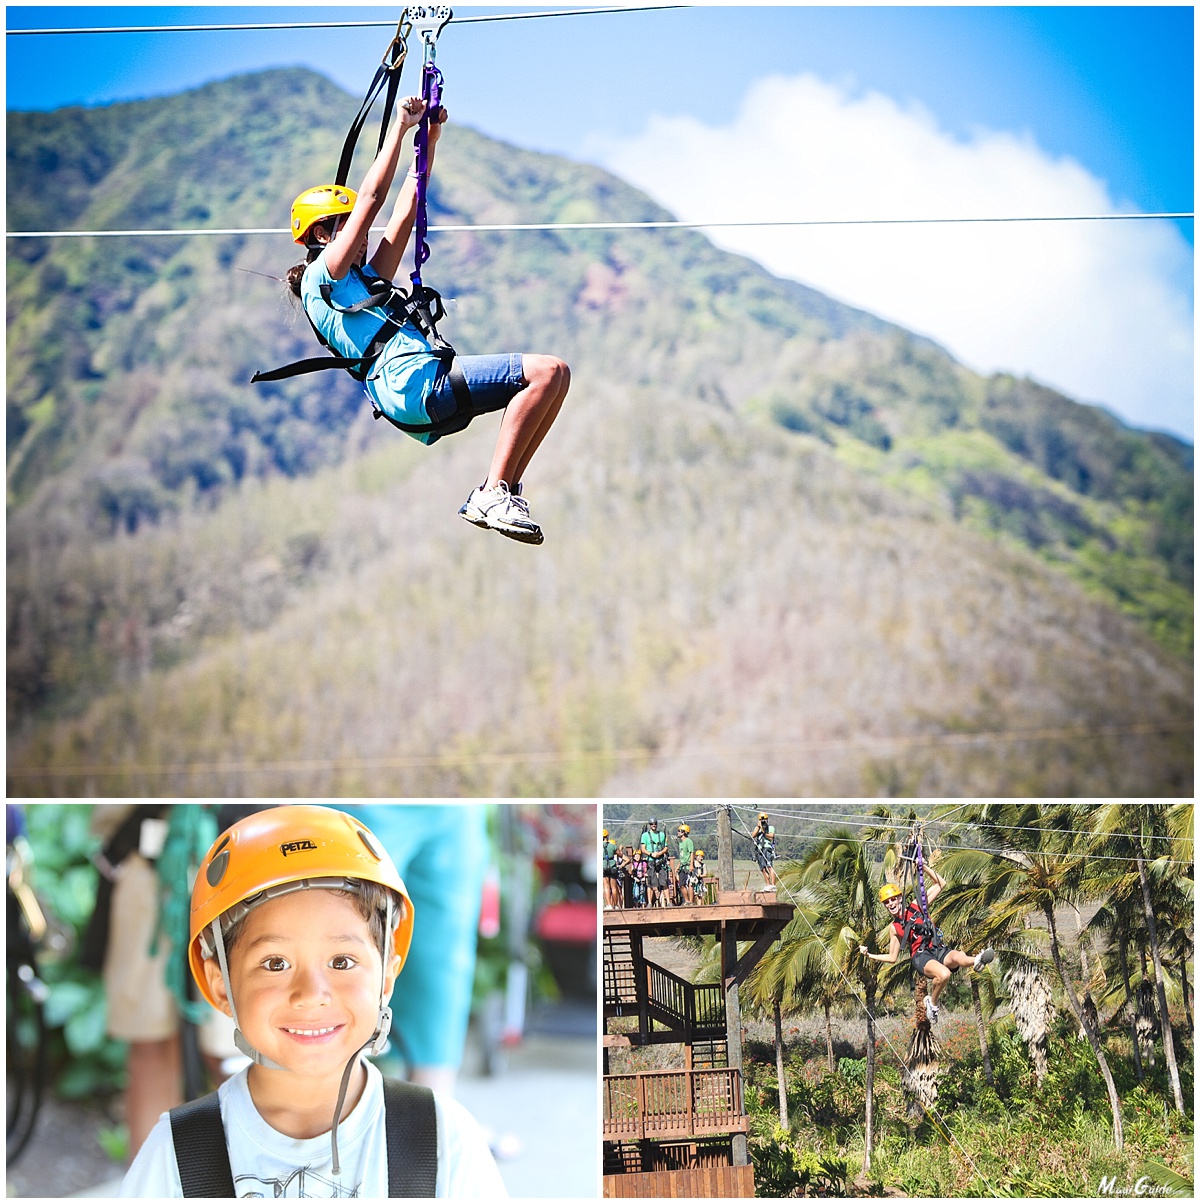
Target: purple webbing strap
x,y
921,885
431,94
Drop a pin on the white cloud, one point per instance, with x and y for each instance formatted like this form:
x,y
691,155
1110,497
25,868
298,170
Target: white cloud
x,y
1100,310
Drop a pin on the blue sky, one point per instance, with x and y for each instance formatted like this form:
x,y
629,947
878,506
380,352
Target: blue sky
x,y
1088,105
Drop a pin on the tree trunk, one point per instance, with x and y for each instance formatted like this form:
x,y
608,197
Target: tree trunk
x,y
870,1133
1187,1008
1092,1036
829,1040
982,1029
1129,1003
1164,1016
783,1112
1084,976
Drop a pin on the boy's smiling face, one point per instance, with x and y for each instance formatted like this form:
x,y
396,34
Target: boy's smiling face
x,y
305,974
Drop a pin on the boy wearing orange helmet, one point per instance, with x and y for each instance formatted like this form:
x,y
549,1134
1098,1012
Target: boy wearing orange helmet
x,y
930,956
299,925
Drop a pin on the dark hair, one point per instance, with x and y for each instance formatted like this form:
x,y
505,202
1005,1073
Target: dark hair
x,y
296,274
370,901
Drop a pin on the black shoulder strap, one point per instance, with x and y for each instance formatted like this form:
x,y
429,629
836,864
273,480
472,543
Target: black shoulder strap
x,y
200,1150
410,1116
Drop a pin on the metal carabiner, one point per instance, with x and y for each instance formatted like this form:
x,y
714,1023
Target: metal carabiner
x,y
397,51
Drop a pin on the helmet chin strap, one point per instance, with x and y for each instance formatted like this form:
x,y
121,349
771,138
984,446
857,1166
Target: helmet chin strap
x,y
238,1038
376,1041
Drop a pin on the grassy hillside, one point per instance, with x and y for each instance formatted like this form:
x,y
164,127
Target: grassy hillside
x,y
791,548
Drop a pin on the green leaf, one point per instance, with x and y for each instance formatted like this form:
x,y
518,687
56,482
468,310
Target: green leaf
x,y
85,1030
66,999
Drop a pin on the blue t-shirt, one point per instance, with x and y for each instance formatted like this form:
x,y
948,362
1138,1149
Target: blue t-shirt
x,y
402,377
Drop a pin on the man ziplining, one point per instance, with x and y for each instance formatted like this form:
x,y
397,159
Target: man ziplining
x,y
930,956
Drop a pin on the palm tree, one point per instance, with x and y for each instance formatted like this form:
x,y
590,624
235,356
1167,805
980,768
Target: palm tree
x,y
1132,827
837,881
1038,864
794,975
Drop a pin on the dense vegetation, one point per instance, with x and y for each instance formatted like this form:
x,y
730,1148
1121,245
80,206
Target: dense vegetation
x,y
1012,1092
771,515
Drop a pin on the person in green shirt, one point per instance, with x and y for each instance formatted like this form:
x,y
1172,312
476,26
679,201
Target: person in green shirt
x,y
684,873
658,879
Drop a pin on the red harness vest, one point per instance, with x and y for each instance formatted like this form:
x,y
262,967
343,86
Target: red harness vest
x,y
913,915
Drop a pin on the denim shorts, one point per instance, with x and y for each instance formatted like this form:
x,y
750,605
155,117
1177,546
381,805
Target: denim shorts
x,y
493,380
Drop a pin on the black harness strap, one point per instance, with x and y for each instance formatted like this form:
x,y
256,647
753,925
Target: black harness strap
x,y
388,71
410,1120
200,1150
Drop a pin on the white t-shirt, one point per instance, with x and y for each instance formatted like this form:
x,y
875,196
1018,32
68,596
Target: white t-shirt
x,y
268,1163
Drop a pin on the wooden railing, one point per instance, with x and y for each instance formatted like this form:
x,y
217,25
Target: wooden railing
x,y
673,1103
699,1010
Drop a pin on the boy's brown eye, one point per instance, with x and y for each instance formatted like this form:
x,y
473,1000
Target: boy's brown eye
x,y
343,962
275,963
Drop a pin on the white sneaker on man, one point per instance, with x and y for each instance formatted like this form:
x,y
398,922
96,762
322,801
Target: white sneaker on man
x,y
930,1011
501,510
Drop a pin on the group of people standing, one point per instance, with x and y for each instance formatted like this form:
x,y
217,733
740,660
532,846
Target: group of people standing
x,y
648,875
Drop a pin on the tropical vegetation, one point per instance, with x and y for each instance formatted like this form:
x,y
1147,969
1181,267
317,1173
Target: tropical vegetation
x,y
1036,1079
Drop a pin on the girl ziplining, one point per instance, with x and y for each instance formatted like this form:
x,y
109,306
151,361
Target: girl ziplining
x,y
413,378
930,955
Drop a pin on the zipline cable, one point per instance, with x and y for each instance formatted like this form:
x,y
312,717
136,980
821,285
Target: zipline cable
x,y
619,754
880,821
567,12
516,227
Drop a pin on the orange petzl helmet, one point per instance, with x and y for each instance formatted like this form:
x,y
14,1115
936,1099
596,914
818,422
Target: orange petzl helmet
x,y
316,204
889,890
289,845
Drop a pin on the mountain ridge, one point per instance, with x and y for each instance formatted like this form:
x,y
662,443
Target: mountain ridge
x,y
132,433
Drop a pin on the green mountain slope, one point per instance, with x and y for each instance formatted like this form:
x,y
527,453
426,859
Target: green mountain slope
x,y
771,517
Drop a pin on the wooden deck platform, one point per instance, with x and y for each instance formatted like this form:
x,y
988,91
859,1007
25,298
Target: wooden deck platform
x,y
754,913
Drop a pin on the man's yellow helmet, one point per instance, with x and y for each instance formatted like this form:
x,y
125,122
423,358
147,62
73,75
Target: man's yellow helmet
x,y
889,891
316,204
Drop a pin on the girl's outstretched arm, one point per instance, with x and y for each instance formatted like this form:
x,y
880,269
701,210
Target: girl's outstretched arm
x,y
348,246
391,248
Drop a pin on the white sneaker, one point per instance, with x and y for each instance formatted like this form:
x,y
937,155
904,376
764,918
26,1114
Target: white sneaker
x,y
502,511
982,960
930,1011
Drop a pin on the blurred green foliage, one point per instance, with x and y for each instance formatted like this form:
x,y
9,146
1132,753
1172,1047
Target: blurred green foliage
x,y
85,1061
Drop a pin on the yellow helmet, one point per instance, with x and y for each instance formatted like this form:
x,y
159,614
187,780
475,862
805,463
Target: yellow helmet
x,y
889,890
685,829
316,204
605,833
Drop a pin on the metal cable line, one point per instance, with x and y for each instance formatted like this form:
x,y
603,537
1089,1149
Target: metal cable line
x,y
620,754
880,821
517,227
976,848
568,12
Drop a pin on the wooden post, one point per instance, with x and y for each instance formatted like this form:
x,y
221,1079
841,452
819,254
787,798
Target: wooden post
x,y
733,1029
